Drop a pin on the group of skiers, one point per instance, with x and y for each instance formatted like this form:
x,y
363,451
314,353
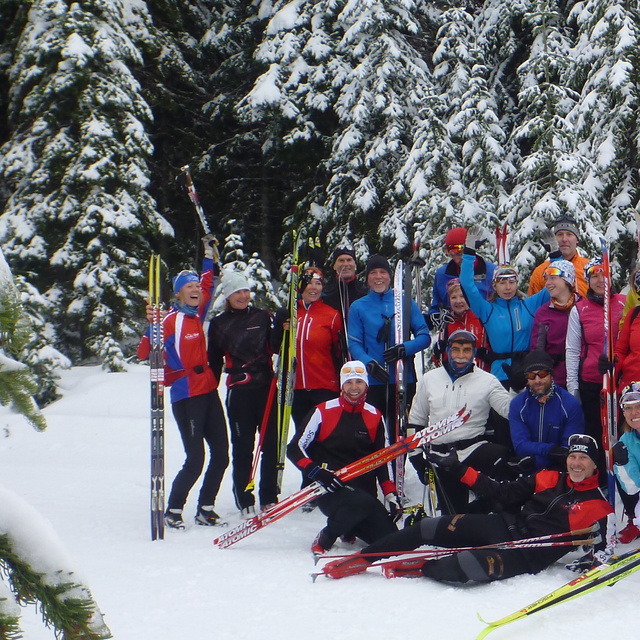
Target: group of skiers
x,y
530,452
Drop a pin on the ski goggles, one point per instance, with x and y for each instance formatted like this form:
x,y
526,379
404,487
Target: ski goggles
x,y
542,374
453,248
555,271
505,273
630,395
353,369
596,268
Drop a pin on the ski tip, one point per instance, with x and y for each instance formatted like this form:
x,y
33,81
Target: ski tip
x,y
315,575
251,486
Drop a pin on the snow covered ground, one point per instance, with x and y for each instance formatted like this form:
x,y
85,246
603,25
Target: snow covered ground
x,y
88,474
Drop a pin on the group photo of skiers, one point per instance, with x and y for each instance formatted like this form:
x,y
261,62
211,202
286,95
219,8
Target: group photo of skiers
x,y
536,399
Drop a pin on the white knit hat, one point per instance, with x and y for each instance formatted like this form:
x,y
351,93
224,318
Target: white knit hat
x,y
353,370
233,281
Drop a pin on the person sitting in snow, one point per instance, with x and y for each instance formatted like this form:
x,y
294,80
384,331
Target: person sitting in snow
x,y
545,503
337,433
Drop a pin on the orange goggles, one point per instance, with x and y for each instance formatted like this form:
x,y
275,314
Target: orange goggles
x,y
537,374
349,369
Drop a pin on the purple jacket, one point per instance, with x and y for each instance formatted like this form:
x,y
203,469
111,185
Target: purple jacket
x,y
548,334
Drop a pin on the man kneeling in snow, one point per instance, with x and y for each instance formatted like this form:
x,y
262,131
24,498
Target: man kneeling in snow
x,y
545,503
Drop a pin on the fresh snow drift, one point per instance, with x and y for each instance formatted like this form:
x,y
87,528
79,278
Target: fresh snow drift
x,y
88,474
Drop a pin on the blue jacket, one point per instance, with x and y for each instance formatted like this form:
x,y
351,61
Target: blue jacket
x,y
538,427
508,323
482,276
629,474
366,318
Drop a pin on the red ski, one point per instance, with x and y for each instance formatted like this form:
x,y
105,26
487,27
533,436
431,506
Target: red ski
x,y
353,470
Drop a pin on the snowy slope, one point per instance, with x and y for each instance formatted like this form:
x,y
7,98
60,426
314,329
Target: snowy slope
x,y
89,475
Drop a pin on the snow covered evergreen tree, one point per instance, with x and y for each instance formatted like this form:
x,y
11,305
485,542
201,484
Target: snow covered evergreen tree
x,y
553,179
17,383
76,219
348,75
605,116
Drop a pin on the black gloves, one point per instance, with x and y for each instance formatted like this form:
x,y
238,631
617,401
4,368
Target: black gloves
x,y
393,506
448,462
281,316
325,478
516,377
377,371
620,453
395,353
605,365
558,458
525,465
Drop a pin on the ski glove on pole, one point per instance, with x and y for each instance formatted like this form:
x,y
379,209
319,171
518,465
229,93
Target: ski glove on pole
x,y
325,478
605,365
448,462
376,370
393,506
395,353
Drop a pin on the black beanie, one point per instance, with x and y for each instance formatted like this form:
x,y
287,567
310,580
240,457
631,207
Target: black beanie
x,y
580,443
342,251
378,262
538,361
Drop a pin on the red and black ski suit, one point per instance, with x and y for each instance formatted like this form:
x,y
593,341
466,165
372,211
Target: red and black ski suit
x,y
194,400
337,434
241,339
541,504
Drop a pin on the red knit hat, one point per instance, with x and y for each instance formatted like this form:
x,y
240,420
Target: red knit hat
x,y
457,235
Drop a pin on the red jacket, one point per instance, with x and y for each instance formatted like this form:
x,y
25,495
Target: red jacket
x,y
628,350
186,367
317,346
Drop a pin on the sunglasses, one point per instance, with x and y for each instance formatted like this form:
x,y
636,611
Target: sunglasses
x,y
349,369
454,247
537,374
553,271
503,279
581,439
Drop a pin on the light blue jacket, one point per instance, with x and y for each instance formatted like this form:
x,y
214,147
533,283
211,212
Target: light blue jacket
x,y
508,323
629,474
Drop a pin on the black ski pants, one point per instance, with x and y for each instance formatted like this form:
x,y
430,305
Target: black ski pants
x,y
354,512
245,409
200,419
490,458
468,530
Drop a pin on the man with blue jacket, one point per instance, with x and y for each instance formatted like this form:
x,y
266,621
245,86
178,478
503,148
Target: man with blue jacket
x,y
544,415
372,340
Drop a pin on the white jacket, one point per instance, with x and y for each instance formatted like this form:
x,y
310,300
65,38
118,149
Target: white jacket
x,y
438,396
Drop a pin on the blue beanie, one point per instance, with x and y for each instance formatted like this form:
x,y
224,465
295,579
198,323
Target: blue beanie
x,y
184,277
